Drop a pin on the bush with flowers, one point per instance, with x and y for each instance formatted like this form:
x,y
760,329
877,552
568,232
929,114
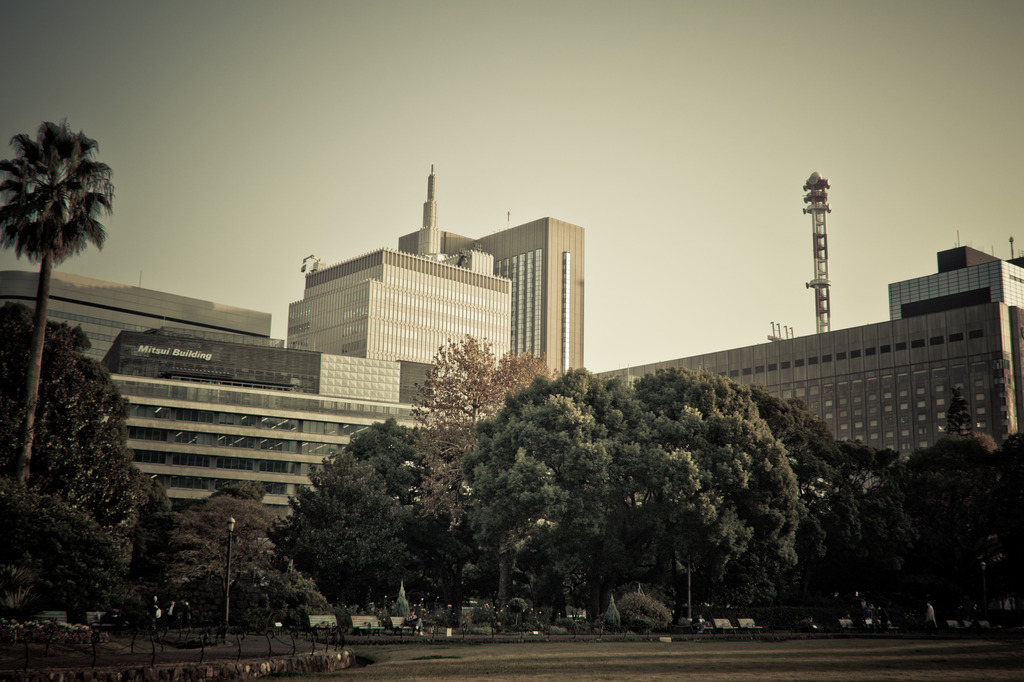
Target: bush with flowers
x,y
12,631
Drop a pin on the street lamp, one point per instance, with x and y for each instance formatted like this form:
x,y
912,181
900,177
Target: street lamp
x,y
227,579
984,590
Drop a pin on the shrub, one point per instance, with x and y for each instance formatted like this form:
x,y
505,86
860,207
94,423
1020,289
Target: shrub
x,y
612,619
643,612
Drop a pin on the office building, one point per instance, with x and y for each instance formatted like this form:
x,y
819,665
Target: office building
x,y
104,309
544,259
522,289
889,384
208,410
388,305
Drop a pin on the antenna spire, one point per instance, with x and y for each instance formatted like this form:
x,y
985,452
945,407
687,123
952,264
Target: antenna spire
x,y
817,198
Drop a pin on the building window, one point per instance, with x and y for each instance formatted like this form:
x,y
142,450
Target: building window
x,y
785,364
886,348
854,354
841,355
936,340
772,367
917,343
901,345
813,360
976,333
827,357
759,369
799,362
959,336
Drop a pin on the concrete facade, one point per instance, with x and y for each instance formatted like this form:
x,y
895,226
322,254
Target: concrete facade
x,y
889,384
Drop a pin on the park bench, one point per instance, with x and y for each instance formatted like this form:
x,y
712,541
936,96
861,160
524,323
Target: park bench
x,y
724,625
747,624
368,624
845,624
61,616
953,624
398,624
324,621
984,625
94,618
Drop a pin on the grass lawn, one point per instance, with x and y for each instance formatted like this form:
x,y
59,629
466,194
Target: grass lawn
x,y
819,659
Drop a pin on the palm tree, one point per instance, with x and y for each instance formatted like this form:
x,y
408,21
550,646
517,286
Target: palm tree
x,y
53,191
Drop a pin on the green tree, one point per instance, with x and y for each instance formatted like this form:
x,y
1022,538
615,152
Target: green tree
x,y
343,531
81,452
952,499
742,520
199,542
54,192
560,467
958,417
77,566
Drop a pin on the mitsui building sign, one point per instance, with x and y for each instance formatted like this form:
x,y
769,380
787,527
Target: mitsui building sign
x,y
173,352
199,356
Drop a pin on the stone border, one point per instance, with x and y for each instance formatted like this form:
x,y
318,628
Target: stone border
x,y
189,672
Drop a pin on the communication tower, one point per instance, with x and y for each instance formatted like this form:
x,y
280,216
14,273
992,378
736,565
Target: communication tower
x,y
817,200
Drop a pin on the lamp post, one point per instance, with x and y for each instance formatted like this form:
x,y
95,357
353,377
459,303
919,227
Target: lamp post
x,y
227,579
984,590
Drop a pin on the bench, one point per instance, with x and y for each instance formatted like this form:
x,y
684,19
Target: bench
x,y
61,616
748,624
723,625
94,618
370,624
398,624
953,624
845,624
325,621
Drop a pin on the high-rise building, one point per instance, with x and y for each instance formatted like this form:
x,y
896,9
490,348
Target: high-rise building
x,y
889,384
388,305
544,259
104,309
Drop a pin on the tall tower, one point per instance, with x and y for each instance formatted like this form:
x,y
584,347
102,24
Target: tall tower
x,y
817,198
430,236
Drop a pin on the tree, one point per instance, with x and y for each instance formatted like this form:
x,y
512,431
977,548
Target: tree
x,y
741,520
77,566
81,452
958,418
54,192
565,465
465,385
953,498
343,531
199,541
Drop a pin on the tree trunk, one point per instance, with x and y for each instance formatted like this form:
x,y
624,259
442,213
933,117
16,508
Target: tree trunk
x,y
504,576
23,462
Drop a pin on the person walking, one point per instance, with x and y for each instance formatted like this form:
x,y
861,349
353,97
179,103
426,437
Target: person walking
x,y
930,624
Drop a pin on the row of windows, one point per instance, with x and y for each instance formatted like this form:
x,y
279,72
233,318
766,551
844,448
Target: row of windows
x,y
188,459
854,354
212,439
202,483
246,420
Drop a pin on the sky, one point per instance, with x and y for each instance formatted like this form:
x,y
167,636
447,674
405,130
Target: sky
x,y
245,136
